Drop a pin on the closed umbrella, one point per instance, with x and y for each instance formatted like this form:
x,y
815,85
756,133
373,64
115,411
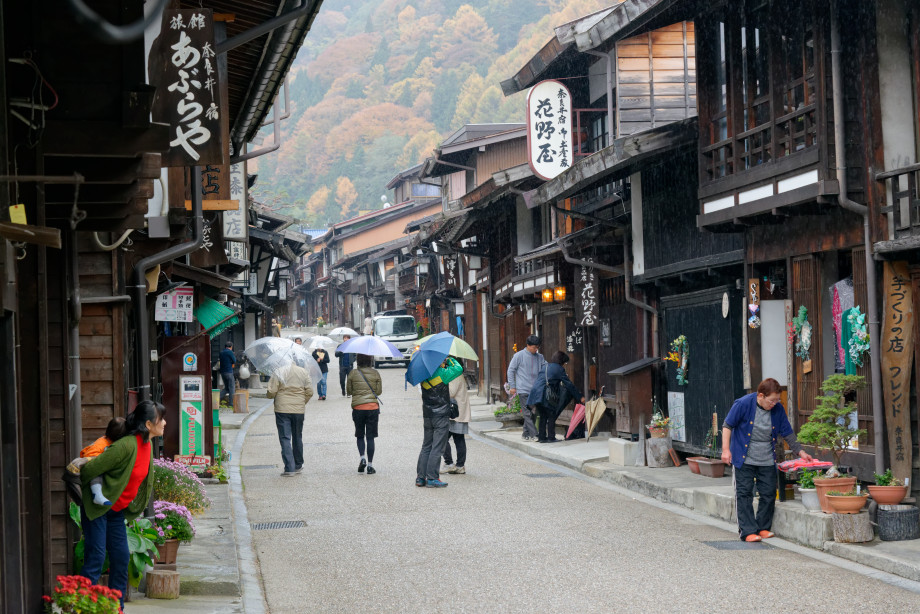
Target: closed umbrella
x,y
594,410
577,416
449,344
369,345
269,354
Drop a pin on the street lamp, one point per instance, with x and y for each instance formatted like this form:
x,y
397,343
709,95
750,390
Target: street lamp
x,y
547,295
559,293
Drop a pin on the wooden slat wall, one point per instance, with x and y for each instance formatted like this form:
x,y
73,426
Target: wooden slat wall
x,y
500,156
656,78
56,515
806,290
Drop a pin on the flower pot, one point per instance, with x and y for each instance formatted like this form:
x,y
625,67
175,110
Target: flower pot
x,y
842,504
888,495
711,467
694,465
825,485
166,553
658,432
810,499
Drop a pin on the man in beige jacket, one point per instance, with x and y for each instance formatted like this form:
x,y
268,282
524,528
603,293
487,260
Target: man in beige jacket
x,y
291,388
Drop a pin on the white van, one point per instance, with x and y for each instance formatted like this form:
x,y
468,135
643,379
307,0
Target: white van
x,y
399,329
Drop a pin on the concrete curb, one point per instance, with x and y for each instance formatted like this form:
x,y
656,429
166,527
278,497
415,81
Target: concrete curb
x,y
250,584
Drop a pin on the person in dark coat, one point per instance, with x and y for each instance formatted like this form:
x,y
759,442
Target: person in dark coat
x,y
346,362
322,357
436,414
553,374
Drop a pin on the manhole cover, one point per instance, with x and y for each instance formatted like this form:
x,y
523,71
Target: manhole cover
x,y
283,524
259,466
737,545
544,475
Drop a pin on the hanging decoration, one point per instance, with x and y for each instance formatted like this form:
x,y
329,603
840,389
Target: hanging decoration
x,y
754,320
680,355
803,336
754,302
859,336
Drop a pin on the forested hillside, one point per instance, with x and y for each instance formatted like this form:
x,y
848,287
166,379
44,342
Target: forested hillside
x,y
379,83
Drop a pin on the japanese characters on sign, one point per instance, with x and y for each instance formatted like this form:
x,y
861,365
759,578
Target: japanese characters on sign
x,y
188,90
549,129
175,306
235,224
897,352
451,275
574,340
586,305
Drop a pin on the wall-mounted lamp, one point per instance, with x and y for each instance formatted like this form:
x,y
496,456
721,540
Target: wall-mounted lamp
x,y
547,295
559,293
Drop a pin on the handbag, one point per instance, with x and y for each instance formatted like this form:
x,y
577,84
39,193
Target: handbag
x,y
454,409
551,395
371,388
244,372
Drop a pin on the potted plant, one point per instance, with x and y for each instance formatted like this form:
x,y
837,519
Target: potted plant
x,y
173,524
76,595
713,466
659,426
828,428
177,483
142,538
887,490
849,502
218,472
808,491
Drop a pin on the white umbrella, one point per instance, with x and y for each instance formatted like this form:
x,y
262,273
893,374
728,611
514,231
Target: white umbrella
x,y
370,345
269,354
341,331
320,342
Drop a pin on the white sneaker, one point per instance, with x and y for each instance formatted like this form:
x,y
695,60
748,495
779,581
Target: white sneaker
x,y
447,468
457,470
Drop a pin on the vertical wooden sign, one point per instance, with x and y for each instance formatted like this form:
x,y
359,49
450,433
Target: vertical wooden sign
x,y
897,353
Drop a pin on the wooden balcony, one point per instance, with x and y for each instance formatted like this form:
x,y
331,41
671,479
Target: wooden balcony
x,y
903,210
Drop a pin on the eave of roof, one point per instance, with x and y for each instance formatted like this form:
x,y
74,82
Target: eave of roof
x,y
414,171
624,20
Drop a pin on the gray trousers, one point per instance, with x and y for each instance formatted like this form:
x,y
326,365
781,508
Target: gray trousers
x,y
436,432
529,412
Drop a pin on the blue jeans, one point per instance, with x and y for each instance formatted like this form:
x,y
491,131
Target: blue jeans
x,y
748,523
321,385
290,435
429,459
229,386
106,534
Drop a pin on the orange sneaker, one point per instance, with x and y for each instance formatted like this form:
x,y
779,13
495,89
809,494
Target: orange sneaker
x,y
766,534
752,538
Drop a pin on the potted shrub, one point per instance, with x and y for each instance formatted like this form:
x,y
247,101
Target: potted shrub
x,y
808,491
142,538
173,524
177,483
828,429
849,502
713,466
887,490
75,594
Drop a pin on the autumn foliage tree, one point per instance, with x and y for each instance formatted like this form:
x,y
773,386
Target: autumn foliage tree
x,y
346,197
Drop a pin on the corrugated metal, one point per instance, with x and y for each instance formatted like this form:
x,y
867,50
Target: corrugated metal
x,y
500,156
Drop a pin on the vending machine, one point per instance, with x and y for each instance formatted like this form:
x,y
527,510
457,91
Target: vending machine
x,y
185,374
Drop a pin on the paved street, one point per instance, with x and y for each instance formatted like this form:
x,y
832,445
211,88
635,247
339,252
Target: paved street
x,y
512,535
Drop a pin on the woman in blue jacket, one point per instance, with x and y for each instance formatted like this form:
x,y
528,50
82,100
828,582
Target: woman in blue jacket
x,y
749,437
553,374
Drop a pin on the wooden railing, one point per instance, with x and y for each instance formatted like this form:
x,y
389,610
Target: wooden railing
x,y
903,187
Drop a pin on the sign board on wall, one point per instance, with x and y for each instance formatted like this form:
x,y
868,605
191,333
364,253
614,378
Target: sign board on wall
x,y
897,347
677,415
175,306
549,129
586,305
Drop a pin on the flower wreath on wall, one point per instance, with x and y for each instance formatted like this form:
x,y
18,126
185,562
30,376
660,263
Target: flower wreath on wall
x,y
802,334
680,354
859,338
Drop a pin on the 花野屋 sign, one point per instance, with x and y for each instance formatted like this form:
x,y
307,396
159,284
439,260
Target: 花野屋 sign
x,y
586,303
549,129
183,66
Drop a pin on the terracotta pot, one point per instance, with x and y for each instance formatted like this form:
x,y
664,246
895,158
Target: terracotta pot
x,y
711,467
846,505
825,485
658,432
166,553
888,495
810,499
694,465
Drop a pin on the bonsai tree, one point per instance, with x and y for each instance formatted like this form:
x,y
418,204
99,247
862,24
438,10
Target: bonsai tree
x,y
828,427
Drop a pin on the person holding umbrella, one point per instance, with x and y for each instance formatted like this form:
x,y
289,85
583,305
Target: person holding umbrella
x,y
552,376
436,414
364,386
346,361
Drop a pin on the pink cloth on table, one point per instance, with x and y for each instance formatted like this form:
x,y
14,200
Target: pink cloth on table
x,y
801,463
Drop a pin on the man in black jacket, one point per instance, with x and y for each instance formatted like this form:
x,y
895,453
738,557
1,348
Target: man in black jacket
x,y
346,362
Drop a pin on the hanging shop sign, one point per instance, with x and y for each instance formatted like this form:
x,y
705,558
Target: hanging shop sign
x,y
574,339
450,271
586,305
235,223
897,346
175,306
183,66
549,129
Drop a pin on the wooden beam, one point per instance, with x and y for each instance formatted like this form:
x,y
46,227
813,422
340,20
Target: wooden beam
x,y
215,205
36,235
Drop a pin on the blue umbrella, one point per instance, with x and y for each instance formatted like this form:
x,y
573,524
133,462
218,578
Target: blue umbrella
x,y
369,345
423,365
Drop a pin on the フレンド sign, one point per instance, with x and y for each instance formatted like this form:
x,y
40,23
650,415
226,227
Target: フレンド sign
x,y
897,346
183,66
549,129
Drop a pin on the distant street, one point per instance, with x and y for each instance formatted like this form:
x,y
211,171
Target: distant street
x,y
509,536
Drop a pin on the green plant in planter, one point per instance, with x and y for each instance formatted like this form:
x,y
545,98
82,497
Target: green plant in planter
x,y
887,479
807,478
142,538
505,410
828,426
849,493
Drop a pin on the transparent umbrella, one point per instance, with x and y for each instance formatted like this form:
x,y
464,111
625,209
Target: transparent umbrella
x,y
341,331
321,342
269,354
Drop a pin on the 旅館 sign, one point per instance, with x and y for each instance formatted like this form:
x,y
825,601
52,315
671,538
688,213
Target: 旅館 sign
x,y
549,129
183,66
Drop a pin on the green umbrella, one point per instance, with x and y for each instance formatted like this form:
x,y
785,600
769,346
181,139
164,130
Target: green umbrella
x,y
453,346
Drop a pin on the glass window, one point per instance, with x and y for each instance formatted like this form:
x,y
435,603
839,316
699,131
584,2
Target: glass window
x,y
425,190
400,325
